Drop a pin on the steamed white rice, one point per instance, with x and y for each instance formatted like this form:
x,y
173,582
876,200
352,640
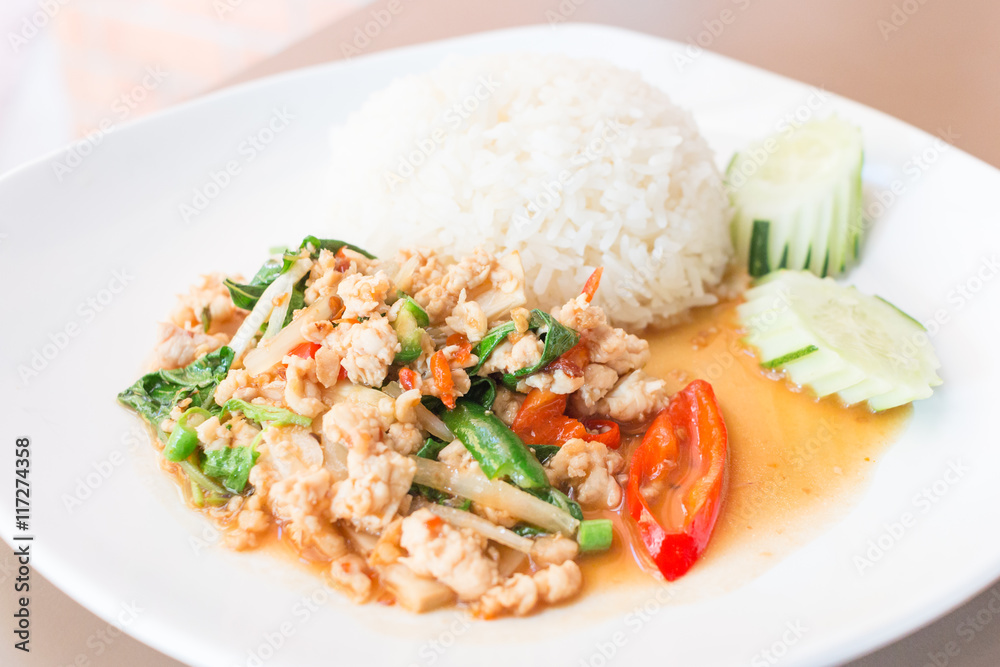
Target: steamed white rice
x,y
574,164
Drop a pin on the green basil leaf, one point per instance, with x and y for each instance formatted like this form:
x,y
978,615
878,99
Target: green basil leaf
x,y
231,466
333,245
431,449
557,339
155,394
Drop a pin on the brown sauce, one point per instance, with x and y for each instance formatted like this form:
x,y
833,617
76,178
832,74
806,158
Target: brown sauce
x,y
796,464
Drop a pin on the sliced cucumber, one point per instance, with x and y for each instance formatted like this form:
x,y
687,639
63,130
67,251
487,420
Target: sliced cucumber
x,y
834,339
409,324
797,199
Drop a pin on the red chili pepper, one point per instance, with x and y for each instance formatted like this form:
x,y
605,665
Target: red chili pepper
x,y
306,350
571,362
542,421
590,287
465,348
442,379
603,430
343,374
675,526
343,262
408,379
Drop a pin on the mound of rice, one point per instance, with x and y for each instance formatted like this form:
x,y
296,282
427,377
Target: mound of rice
x,y
574,164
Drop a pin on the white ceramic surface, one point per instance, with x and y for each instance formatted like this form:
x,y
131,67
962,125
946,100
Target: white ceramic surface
x,y
99,252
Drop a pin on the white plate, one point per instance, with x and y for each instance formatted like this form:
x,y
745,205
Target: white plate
x,y
131,542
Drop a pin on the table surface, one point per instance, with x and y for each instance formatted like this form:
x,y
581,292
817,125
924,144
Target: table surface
x,y
932,63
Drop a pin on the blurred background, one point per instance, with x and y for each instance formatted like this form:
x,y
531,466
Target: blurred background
x,y
67,66
73,68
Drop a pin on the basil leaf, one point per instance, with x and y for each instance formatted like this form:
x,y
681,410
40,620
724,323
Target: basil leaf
x,y
265,413
544,452
493,338
231,466
244,296
431,449
297,301
333,245
155,394
432,403
527,530
557,338
556,497
483,391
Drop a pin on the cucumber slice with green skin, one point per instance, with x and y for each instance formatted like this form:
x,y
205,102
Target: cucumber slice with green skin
x,y
409,324
797,199
836,340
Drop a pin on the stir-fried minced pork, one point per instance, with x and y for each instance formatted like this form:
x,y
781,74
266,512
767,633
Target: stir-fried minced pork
x,y
253,520
178,347
365,349
554,550
507,404
598,380
509,357
364,296
326,451
236,432
468,319
240,384
303,391
454,557
521,593
208,307
589,468
302,502
375,490
557,381
636,397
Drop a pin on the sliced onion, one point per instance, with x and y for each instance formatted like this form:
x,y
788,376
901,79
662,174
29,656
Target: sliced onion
x,y
487,529
265,304
497,303
335,458
432,424
277,319
272,350
496,494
